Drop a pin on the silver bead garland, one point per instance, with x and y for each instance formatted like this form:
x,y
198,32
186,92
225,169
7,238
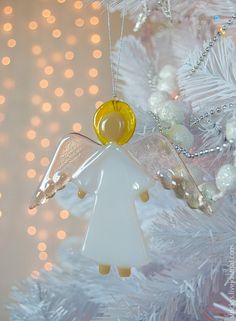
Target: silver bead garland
x,y
211,43
187,154
212,112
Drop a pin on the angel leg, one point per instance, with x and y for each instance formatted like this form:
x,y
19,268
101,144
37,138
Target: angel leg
x,y
124,272
104,269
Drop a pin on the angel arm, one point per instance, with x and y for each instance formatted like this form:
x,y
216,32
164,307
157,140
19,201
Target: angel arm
x,y
73,150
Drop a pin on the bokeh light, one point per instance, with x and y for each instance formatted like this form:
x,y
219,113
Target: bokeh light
x,y
78,4
8,10
33,25
95,38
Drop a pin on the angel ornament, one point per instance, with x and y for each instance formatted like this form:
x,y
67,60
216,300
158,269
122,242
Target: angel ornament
x,y
114,236
115,176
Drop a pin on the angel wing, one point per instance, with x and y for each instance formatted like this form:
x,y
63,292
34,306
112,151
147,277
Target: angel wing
x,y
72,151
161,161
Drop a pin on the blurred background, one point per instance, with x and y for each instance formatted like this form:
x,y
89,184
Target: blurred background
x,y
54,72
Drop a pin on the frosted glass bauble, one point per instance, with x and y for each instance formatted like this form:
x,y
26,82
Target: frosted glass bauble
x,y
157,99
226,178
171,112
231,129
168,71
168,85
180,135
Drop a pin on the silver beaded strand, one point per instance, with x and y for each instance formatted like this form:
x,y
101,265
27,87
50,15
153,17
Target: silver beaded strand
x,y
211,43
187,154
213,111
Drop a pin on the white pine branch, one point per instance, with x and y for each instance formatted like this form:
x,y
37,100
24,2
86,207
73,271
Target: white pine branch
x,y
213,83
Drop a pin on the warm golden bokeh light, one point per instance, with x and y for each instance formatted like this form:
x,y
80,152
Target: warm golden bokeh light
x,y
7,27
96,5
61,1
76,127
71,40
11,43
93,72
65,107
79,92
94,21
46,107
78,4
93,90
30,156
45,142
69,73
31,173
59,92
2,100
44,161
48,266
6,60
95,38
69,55
46,13
48,70
31,134
97,54
42,246
43,256
8,10
79,22
33,25
56,33
31,230
51,19
35,121
64,215
43,83
36,50
61,235
35,274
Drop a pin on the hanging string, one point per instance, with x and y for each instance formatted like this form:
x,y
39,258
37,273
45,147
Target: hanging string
x,y
115,73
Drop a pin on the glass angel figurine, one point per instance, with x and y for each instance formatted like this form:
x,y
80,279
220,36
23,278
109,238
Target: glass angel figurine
x,y
117,175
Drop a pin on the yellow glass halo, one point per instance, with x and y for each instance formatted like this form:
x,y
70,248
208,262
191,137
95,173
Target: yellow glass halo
x,y
114,121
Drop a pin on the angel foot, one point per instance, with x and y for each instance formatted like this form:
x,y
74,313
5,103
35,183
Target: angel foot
x,y
124,272
104,269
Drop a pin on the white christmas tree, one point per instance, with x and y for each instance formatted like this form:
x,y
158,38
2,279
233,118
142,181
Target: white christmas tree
x,y
179,75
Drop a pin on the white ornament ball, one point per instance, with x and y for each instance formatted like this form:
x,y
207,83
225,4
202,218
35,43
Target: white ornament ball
x,y
231,129
226,178
157,99
168,71
168,85
180,135
171,112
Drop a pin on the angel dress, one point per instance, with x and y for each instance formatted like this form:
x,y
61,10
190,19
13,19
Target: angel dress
x,y
114,236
